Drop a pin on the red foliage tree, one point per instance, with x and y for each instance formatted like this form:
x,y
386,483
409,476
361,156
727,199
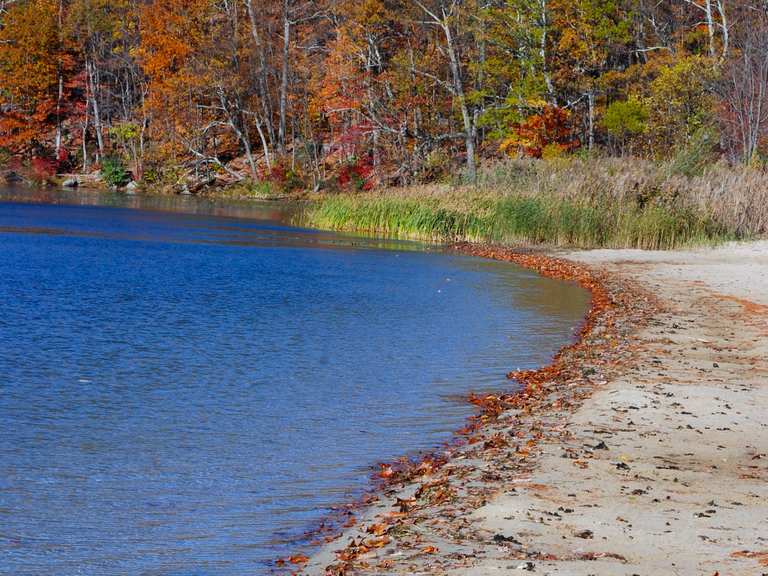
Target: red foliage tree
x,y
551,126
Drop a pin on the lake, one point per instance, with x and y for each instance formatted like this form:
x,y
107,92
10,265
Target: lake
x,y
187,386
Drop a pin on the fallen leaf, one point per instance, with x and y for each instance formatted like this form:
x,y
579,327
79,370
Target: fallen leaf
x,y
761,557
377,529
376,542
386,471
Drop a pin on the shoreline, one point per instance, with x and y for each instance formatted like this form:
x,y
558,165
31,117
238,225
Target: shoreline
x,y
471,512
485,428
481,214
561,479
404,470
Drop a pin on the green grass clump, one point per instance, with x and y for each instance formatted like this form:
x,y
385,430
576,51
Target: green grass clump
x,y
515,220
395,217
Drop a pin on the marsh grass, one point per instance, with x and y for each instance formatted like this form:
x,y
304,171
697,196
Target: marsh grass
x,y
574,203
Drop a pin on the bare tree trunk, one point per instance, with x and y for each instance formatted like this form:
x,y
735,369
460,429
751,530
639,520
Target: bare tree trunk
x,y
261,78
724,26
591,101
60,74
284,77
85,142
58,114
543,52
264,144
234,113
710,26
249,154
92,85
142,132
458,88
709,20
480,78
457,84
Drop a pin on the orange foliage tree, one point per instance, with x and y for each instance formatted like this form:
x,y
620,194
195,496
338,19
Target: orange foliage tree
x,y
409,89
551,127
36,76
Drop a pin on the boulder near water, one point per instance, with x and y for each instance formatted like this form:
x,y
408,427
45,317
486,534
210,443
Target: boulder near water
x,y
11,177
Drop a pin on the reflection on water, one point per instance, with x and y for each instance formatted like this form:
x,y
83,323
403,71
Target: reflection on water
x,y
243,222
274,211
184,392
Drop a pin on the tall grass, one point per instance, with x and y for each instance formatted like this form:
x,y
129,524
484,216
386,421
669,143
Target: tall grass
x,y
576,203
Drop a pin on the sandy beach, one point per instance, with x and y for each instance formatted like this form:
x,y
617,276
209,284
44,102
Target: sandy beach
x,y
642,451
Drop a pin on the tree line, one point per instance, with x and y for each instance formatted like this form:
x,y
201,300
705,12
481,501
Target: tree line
x,y
368,92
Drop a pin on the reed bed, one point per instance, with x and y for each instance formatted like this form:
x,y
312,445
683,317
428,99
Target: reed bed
x,y
570,203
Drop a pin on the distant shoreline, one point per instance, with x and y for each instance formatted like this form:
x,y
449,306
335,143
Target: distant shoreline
x,y
562,203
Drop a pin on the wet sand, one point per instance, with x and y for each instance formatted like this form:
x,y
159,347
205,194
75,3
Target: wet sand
x,y
642,450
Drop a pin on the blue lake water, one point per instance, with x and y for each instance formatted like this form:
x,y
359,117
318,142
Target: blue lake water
x,y
186,386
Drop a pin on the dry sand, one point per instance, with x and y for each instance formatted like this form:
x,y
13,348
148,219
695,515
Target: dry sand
x,y
656,467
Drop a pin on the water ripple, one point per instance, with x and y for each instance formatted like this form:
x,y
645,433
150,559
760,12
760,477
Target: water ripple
x,y
184,393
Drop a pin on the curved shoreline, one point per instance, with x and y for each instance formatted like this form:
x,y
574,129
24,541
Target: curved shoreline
x,y
662,471
642,449
483,435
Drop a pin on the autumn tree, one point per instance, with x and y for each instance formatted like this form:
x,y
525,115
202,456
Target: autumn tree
x,y
450,18
395,90
37,77
516,68
625,120
743,89
106,33
193,58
